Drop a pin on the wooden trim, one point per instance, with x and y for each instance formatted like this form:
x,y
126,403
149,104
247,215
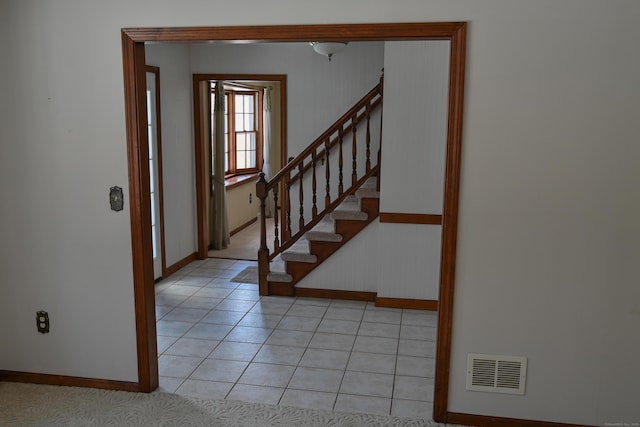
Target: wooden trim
x,y
409,218
334,294
133,59
182,263
414,304
243,226
202,180
488,421
231,129
133,52
450,222
237,180
64,380
297,33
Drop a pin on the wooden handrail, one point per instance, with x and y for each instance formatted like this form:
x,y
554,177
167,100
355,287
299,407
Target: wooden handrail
x,y
334,141
320,140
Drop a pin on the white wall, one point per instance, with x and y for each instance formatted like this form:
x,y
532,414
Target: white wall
x,y
178,163
63,147
327,88
403,259
242,204
414,137
549,238
548,247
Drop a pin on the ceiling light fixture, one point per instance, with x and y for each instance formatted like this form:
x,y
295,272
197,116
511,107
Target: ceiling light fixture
x,y
328,49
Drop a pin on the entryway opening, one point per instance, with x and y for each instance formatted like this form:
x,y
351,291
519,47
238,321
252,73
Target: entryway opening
x,y
134,80
253,141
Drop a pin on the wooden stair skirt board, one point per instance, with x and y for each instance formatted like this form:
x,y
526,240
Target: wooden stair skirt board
x,y
415,304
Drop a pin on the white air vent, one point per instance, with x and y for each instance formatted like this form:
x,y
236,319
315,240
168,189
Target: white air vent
x,y
496,374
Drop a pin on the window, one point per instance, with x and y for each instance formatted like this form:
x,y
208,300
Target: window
x,y
243,129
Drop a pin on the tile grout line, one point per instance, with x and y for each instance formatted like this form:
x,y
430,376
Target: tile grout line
x,y
219,341
259,349
305,349
262,345
349,358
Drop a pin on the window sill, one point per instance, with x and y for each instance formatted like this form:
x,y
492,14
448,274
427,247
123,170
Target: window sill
x,y
237,180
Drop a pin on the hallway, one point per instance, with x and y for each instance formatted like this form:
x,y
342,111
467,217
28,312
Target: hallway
x,y
245,243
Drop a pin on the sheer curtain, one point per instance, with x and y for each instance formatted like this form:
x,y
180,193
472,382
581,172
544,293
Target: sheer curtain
x,y
220,235
266,167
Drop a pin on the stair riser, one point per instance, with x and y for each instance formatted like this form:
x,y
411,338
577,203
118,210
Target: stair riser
x,y
348,229
370,206
323,250
299,269
281,289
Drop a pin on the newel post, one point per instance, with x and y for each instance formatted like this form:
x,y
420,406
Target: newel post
x,y
263,252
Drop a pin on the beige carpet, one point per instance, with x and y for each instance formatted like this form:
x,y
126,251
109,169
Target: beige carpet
x,y
30,405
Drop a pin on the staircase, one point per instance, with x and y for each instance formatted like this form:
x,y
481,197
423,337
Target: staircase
x,y
329,235
318,174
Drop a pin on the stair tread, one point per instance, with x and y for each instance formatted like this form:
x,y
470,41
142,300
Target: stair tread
x,y
369,193
277,265
371,183
350,211
299,257
369,189
349,200
275,276
324,231
299,252
349,205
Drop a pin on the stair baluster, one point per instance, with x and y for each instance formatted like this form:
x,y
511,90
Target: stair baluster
x,y
301,194
314,207
276,241
354,172
368,141
288,230
327,197
340,162
263,252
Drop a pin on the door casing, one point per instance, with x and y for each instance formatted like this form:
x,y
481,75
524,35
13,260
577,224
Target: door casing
x,y
133,40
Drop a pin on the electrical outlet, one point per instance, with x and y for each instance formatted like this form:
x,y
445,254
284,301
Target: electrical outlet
x,y
42,322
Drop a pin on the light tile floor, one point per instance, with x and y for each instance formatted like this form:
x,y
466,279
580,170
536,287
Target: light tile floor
x,y
220,339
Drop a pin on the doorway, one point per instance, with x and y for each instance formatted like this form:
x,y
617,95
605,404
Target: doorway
x,y
240,187
133,60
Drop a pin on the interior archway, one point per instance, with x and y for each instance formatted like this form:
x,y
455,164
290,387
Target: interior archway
x,y
133,40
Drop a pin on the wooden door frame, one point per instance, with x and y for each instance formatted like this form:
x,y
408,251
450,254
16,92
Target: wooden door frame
x,y
133,40
202,180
